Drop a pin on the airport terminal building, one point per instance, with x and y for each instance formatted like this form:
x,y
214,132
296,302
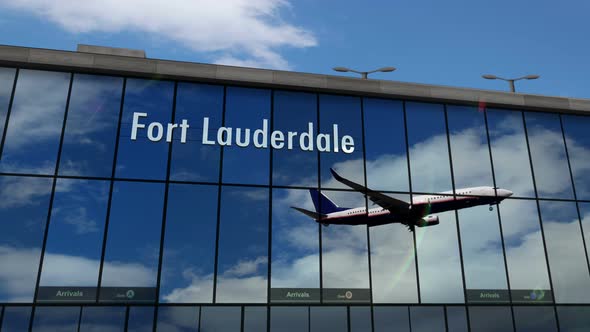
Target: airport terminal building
x,y
139,194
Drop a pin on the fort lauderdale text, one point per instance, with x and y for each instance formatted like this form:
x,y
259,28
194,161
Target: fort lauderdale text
x,y
243,137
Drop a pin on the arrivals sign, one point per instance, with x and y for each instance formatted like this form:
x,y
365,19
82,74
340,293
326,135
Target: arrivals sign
x,y
262,138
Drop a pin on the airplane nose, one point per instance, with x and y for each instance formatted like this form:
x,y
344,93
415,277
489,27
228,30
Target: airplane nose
x,y
505,193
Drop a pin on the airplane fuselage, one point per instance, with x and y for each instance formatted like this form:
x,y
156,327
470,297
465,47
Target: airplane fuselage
x,y
420,207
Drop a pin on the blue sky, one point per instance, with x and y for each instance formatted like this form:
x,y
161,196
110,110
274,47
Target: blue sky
x,y
429,41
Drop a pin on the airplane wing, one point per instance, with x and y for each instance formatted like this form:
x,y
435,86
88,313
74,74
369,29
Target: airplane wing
x,y
396,206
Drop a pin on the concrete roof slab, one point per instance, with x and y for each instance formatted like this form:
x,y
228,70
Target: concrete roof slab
x,y
185,69
50,56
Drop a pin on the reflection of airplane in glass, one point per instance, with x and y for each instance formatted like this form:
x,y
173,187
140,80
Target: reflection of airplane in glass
x,y
418,213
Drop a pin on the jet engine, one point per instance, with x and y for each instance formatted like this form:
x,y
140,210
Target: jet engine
x,y
428,221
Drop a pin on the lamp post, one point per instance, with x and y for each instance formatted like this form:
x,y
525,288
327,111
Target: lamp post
x,y
364,74
510,80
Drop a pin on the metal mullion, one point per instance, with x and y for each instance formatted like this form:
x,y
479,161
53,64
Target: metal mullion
x,y
556,317
8,111
242,314
348,318
164,212
1,317
569,165
219,188
485,116
454,198
364,145
79,318
126,318
51,200
319,174
411,199
526,135
445,317
110,199
270,193
270,219
367,207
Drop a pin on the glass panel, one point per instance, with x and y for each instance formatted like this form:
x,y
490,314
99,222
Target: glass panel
x,y
254,319
439,264
510,152
427,138
525,255
131,259
577,138
178,319
289,319
585,215
483,258
74,241
360,319
534,319
469,147
6,85
345,255
565,249
548,154
140,319
427,319
457,319
56,319
99,319
16,319
385,144
573,319
490,319
36,119
391,319
148,105
328,319
243,245
481,241
247,114
221,319
192,160
393,263
295,248
23,214
293,166
343,113
189,246
91,127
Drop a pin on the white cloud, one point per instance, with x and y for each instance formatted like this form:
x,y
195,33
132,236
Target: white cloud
x,y
243,32
246,267
17,282
16,192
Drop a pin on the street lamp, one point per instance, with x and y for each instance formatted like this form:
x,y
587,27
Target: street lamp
x,y
510,80
364,74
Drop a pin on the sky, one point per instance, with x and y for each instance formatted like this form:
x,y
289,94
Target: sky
x,y
432,42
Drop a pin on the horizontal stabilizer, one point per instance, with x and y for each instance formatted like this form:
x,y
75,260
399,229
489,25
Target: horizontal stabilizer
x,y
311,214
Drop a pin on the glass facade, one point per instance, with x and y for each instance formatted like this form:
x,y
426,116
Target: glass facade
x,y
133,204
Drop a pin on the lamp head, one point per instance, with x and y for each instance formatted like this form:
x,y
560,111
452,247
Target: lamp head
x,y
489,77
386,69
341,69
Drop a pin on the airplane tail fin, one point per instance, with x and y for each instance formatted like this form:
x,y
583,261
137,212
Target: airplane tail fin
x,y
322,203
323,206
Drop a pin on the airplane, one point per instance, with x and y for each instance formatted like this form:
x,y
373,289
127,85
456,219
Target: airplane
x,y
419,212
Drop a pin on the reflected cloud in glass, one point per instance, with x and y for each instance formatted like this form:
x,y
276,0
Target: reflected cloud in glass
x,y
36,118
